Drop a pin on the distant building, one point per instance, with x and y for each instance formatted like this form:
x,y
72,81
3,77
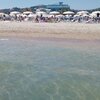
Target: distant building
x,y
55,7
58,6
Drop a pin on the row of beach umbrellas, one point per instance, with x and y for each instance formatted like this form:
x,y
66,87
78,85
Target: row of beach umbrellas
x,y
56,12
31,14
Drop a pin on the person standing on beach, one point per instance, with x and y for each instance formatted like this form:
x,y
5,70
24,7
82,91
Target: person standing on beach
x,y
37,18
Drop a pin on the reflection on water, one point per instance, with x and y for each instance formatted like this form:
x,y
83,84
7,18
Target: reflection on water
x,y
31,70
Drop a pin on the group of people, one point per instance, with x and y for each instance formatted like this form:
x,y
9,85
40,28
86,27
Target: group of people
x,y
51,18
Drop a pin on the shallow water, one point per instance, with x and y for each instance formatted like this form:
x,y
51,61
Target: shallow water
x,y
35,70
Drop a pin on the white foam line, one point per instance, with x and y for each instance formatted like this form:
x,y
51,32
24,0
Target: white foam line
x,y
4,39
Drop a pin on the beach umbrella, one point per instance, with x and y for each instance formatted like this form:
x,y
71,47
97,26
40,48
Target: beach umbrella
x,y
1,14
82,12
27,12
54,13
76,15
95,14
14,13
39,13
6,15
68,13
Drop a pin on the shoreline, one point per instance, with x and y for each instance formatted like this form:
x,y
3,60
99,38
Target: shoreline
x,y
79,44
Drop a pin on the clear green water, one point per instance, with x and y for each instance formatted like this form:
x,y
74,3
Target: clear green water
x,y
32,70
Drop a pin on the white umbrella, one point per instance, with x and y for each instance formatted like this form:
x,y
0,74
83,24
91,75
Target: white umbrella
x,y
6,15
2,13
92,15
14,13
96,12
54,13
27,12
40,13
68,13
82,12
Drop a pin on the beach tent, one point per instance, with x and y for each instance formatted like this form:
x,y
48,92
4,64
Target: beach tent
x,y
68,13
82,12
54,13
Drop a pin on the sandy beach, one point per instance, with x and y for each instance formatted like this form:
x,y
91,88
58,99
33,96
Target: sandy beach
x,y
50,30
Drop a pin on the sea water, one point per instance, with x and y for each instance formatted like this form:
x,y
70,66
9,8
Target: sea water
x,y
35,70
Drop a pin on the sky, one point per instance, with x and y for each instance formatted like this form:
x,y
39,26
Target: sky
x,y
74,4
